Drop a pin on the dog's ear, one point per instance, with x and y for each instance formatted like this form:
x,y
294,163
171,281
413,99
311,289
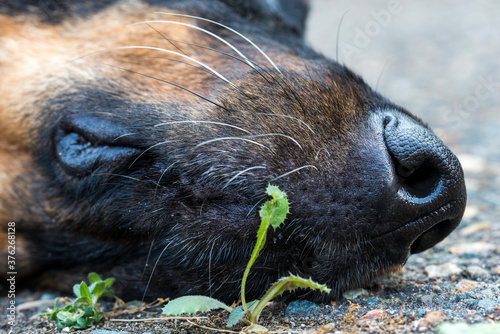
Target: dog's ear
x,y
290,14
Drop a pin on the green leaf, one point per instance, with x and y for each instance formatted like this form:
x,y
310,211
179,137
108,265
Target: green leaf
x,y
108,282
91,288
108,293
94,277
463,328
76,290
86,300
84,290
275,211
193,304
97,291
257,329
238,313
283,284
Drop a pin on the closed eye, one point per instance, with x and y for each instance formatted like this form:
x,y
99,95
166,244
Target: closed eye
x,y
84,143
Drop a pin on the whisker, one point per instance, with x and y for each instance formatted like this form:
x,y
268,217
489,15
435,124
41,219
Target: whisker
x,y
124,135
232,138
173,84
205,122
280,135
291,117
253,207
204,31
210,267
295,170
217,74
283,88
230,29
149,148
222,53
154,268
167,39
380,75
319,152
124,176
180,61
240,173
147,259
161,176
338,36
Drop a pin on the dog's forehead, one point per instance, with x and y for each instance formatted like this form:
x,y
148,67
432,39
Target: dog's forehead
x,y
39,61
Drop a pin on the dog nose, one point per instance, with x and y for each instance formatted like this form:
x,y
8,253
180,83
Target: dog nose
x,y
428,177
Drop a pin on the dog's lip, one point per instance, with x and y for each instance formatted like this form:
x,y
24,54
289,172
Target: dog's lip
x,y
413,231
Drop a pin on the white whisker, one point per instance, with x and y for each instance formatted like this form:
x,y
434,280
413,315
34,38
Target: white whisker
x,y
217,74
291,117
293,171
319,152
280,135
120,175
154,268
173,84
205,122
206,32
161,176
253,207
232,138
230,29
240,173
146,265
124,135
149,148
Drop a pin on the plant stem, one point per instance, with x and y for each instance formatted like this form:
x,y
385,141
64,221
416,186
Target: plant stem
x,y
264,225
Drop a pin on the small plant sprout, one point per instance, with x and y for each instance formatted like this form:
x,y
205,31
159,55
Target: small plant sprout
x,y
83,312
272,213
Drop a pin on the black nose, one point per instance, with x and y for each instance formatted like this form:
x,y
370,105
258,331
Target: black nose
x,y
428,177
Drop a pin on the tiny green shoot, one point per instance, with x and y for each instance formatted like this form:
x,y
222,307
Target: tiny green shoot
x,y
83,312
272,213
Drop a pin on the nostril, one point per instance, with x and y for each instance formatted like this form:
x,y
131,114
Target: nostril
x,y
431,237
418,181
419,159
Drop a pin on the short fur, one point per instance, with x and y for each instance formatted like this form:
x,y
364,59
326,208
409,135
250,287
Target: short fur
x,y
149,166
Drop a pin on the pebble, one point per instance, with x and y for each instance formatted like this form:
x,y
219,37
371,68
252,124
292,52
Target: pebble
x,y
472,248
463,295
431,319
372,316
427,299
301,309
372,301
103,331
467,284
442,270
352,294
477,272
488,303
474,228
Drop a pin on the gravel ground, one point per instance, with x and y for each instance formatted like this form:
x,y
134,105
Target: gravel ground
x,y
441,61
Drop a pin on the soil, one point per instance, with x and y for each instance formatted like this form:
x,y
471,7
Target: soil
x,y
440,60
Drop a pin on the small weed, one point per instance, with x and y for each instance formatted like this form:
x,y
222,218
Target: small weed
x,y
272,213
83,312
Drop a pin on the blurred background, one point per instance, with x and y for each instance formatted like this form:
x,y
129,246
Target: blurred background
x,y
438,59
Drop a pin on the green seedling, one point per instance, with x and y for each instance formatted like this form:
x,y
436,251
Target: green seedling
x,y
83,312
272,213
